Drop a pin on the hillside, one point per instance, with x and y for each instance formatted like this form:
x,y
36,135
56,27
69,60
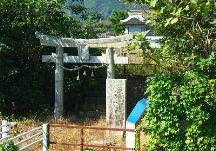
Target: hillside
x,y
105,7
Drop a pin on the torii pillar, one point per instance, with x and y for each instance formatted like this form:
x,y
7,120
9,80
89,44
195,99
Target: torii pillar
x,y
111,64
109,58
59,83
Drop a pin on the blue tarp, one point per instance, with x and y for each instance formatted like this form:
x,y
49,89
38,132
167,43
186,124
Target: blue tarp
x,y
138,111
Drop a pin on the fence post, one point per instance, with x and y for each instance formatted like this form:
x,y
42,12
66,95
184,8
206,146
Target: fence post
x,y
5,128
130,136
45,137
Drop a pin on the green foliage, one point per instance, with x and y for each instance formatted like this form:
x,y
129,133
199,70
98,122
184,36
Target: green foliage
x,y
117,15
8,145
181,110
27,83
106,7
162,113
87,149
137,137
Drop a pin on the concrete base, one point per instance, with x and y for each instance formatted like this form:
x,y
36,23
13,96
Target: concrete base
x,y
130,136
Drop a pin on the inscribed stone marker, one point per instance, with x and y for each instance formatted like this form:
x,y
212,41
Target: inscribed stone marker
x,y
116,103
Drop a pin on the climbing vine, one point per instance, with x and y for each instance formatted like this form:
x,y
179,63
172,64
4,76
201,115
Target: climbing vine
x,y
181,110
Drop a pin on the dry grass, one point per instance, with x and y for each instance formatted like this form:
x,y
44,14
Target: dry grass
x,y
69,135
143,140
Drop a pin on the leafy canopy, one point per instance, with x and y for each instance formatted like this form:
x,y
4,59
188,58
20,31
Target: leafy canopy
x,y
181,94
118,15
26,82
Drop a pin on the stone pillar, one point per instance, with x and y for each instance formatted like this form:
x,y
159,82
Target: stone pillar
x,y
116,103
111,63
59,83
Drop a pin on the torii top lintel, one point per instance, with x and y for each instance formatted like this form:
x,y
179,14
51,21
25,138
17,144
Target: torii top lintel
x,y
112,42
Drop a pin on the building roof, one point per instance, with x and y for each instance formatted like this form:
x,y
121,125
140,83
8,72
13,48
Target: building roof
x,y
134,18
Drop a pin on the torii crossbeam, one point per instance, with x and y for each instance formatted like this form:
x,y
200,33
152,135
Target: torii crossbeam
x,y
83,57
83,46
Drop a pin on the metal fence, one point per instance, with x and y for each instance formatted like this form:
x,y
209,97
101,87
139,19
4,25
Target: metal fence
x,y
42,134
4,129
81,143
27,139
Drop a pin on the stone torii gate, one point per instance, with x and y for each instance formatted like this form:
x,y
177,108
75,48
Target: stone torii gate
x,y
83,57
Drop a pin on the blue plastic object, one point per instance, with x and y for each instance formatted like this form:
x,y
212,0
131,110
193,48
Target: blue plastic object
x,y
138,111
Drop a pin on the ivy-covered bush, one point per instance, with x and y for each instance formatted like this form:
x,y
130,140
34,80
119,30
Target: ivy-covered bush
x,y
181,112
8,145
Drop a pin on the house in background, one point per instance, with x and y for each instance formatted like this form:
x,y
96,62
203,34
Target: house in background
x,y
135,22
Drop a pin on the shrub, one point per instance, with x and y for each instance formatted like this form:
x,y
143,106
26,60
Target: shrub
x,y
181,110
8,145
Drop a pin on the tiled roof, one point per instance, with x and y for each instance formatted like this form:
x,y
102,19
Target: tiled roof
x,y
134,18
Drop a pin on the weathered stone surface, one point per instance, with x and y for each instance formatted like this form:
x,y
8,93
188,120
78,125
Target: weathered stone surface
x,y
116,103
83,52
92,59
111,64
59,84
118,41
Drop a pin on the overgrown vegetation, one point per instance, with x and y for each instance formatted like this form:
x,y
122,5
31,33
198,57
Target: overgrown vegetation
x,y
118,15
8,145
181,94
106,7
27,83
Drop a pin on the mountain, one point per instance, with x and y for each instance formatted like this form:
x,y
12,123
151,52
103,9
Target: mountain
x,y
105,7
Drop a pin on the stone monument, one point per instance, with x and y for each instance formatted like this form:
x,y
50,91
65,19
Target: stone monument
x,y
116,103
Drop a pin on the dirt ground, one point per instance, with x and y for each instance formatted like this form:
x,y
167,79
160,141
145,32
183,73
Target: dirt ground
x,y
72,135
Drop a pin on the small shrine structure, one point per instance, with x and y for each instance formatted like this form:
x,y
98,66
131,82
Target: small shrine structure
x,y
135,22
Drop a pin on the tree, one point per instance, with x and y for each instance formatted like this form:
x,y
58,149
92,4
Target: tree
x,y
26,82
181,95
118,15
